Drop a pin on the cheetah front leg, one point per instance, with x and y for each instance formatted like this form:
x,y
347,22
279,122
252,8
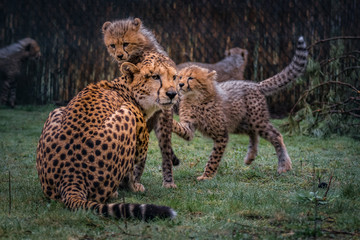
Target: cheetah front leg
x,y
163,129
215,158
142,140
184,130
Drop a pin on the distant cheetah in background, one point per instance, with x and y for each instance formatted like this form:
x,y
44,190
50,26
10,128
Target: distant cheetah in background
x,y
231,67
10,63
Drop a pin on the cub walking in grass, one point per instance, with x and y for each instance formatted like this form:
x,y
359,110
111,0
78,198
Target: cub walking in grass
x,y
216,109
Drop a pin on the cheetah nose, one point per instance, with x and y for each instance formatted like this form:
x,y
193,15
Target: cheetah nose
x,y
120,56
181,85
171,94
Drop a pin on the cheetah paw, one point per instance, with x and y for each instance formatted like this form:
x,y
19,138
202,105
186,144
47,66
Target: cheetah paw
x,y
284,168
169,185
138,187
248,161
201,178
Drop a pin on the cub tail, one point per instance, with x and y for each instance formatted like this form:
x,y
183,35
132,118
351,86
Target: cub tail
x,y
290,73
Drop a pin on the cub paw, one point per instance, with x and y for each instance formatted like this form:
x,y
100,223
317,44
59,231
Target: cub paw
x,y
114,195
201,178
283,168
248,161
169,185
138,187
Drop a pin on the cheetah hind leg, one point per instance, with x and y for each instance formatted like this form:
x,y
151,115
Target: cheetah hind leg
x,y
252,149
276,139
130,185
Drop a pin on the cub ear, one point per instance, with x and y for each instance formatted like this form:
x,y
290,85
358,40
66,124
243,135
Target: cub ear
x,y
105,27
137,24
128,69
212,75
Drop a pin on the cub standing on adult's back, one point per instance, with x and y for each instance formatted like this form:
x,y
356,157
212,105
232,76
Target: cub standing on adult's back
x,y
127,40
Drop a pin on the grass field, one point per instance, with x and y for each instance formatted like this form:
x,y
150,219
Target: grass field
x,y
241,202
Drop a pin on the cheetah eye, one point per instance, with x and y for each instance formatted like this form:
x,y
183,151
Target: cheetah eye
x,y
125,44
156,77
112,45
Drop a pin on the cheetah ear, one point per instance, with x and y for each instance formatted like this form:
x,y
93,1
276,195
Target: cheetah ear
x,y
105,27
212,75
137,24
128,69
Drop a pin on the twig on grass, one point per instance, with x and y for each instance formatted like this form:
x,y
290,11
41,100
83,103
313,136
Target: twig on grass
x,y
125,221
9,192
328,187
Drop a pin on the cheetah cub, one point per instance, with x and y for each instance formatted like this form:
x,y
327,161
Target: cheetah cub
x,y
128,39
216,109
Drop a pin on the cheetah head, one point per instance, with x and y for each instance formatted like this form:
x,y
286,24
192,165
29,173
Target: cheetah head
x,y
31,47
194,80
124,39
236,51
152,81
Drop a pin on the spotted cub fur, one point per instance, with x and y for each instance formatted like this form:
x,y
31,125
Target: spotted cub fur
x,y
88,147
127,40
216,109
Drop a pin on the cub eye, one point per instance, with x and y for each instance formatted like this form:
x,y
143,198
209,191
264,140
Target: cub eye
x,y
190,78
112,45
156,77
125,44
174,77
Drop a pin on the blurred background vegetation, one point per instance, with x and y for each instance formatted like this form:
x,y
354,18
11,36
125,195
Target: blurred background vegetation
x,y
69,34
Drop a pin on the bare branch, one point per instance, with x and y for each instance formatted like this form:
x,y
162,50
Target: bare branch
x,y
331,39
327,61
320,85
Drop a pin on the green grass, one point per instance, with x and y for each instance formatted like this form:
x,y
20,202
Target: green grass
x,y
241,202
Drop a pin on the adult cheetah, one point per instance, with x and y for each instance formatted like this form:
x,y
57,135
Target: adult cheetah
x,y
87,148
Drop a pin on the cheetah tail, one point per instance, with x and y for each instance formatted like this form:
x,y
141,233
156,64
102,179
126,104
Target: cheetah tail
x,y
290,73
144,212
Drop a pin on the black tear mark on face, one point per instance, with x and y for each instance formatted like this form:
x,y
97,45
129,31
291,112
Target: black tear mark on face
x,y
188,83
158,92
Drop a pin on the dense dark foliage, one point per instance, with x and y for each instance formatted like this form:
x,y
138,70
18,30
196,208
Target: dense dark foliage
x,y
69,33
